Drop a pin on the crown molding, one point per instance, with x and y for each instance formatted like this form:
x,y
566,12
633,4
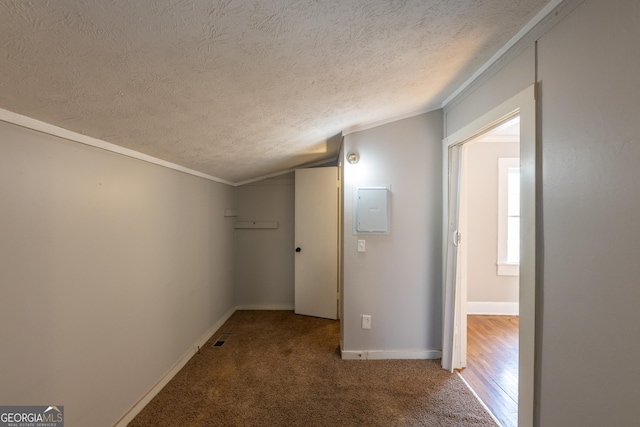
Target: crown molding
x,y
370,125
46,128
551,13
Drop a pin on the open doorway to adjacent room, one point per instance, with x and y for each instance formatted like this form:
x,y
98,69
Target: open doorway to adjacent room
x,y
489,266
520,242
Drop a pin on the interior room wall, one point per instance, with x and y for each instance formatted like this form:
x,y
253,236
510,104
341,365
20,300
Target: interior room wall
x,y
587,295
487,292
264,257
398,280
590,93
112,269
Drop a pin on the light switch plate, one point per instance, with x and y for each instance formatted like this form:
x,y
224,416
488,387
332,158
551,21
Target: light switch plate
x,y
361,246
366,321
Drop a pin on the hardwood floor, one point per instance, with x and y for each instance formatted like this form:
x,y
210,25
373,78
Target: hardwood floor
x,y
492,364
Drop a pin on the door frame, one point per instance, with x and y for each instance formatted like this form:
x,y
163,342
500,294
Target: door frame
x,y
524,105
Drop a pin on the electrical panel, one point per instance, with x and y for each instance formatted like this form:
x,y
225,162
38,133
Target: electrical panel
x,y
372,210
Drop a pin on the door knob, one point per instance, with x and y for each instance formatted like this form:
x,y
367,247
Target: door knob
x,y
298,249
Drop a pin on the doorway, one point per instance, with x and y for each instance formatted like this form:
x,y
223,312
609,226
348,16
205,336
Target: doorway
x,y
454,319
489,256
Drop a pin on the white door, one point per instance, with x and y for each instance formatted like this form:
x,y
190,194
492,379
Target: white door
x,y
316,242
451,332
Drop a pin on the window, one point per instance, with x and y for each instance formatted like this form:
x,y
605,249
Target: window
x,y
508,216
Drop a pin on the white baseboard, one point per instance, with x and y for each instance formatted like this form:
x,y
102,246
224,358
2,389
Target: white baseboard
x,y
288,307
390,354
496,308
144,400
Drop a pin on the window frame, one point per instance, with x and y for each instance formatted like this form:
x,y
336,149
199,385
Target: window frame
x,y
505,268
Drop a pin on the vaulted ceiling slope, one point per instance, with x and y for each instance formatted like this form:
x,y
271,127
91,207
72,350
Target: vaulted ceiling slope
x,y
239,89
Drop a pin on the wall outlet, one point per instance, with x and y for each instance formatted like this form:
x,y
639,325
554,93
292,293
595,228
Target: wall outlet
x,y
366,321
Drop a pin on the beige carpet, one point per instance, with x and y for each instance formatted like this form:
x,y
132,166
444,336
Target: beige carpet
x,y
279,369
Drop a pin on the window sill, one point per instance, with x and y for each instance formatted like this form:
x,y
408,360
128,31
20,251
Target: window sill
x,y
508,269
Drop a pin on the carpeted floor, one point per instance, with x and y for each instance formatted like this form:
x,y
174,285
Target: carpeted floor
x,y
279,369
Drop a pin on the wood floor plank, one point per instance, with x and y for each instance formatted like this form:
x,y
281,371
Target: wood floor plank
x,y
492,364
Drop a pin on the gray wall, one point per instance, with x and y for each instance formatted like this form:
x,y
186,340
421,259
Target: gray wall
x,y
111,269
481,176
587,329
398,279
491,90
264,257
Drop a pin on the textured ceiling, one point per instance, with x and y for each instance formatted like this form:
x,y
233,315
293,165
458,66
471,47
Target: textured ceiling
x,y
239,89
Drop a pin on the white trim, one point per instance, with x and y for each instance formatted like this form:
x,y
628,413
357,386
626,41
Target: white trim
x,y
493,308
288,307
535,21
505,268
374,124
284,172
489,120
390,354
49,129
548,10
523,103
500,138
508,269
551,12
478,127
37,125
256,224
153,391
263,177
486,408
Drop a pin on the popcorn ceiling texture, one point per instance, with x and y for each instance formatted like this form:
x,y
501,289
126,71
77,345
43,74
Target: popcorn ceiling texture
x,y
239,89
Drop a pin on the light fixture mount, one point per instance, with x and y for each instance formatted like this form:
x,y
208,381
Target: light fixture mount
x,y
353,158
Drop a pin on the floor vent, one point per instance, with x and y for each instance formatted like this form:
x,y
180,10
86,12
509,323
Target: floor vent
x,y
221,340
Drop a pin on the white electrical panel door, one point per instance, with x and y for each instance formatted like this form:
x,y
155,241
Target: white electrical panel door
x,y
372,210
